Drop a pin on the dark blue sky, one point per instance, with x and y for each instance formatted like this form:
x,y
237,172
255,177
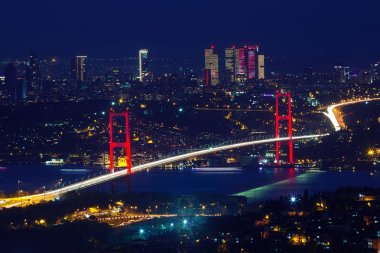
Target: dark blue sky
x,y
319,33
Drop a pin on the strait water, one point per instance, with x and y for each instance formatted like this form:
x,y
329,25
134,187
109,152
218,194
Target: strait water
x,y
256,184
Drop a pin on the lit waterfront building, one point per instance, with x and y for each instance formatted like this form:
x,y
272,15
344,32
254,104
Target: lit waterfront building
x,y
211,66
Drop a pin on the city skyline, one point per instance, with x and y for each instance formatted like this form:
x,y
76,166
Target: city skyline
x,y
300,34
244,126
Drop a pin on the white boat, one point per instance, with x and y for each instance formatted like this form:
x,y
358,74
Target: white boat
x,y
55,161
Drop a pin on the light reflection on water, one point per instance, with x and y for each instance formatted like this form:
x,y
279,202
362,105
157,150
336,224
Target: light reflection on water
x,y
313,182
254,183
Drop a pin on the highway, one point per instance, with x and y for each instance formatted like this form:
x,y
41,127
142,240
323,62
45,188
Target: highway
x,y
50,195
331,115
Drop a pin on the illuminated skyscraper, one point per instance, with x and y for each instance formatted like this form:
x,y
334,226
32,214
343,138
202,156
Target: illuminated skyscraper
x,y
144,70
242,63
33,76
231,63
79,69
241,74
211,67
251,54
260,66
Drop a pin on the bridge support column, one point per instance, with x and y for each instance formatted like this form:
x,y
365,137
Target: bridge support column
x,y
123,145
287,117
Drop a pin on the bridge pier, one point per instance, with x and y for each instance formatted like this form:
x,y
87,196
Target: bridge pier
x,y
126,145
288,118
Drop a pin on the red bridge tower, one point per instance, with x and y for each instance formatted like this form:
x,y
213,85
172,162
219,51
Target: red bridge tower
x,y
287,117
123,145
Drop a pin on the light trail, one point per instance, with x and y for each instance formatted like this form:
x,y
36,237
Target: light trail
x,y
49,195
232,109
331,115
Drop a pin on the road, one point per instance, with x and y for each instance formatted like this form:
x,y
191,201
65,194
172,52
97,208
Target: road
x,y
50,195
333,118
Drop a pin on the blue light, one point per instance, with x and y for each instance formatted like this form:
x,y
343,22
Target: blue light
x,y
141,231
184,222
171,224
293,199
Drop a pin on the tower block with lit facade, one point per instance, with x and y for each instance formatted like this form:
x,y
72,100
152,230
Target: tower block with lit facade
x,y
244,64
125,145
211,67
280,118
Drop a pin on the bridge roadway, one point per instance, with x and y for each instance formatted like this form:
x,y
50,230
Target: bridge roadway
x,y
50,195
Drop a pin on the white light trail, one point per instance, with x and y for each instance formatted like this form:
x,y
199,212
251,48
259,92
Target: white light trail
x,y
330,110
10,202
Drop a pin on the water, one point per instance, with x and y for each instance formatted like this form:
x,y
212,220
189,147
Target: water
x,y
33,178
256,184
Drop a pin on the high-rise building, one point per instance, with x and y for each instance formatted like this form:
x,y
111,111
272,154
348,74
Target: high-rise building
x,y
242,63
346,74
241,69
339,74
11,87
375,73
144,66
260,66
33,76
211,66
231,63
79,69
251,54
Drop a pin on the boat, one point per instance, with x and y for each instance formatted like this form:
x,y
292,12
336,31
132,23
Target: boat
x,y
75,170
55,161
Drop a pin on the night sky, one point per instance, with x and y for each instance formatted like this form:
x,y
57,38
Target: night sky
x,y
319,33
